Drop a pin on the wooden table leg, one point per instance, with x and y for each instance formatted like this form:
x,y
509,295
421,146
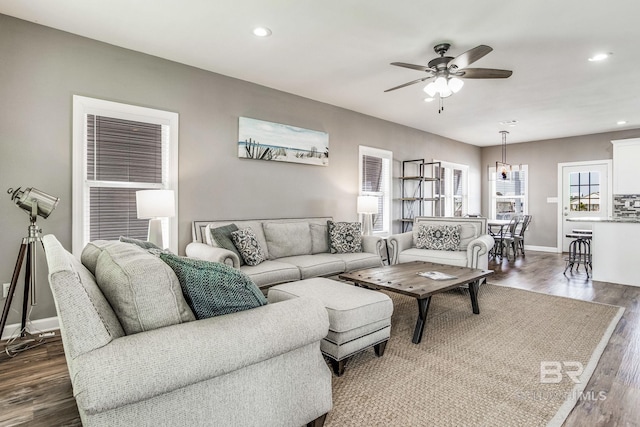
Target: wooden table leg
x,y
423,308
473,291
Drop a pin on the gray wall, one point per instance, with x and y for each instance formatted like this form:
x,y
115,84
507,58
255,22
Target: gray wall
x,y
543,158
41,69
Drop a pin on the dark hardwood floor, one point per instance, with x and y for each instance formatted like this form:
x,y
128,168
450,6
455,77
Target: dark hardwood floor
x,y
35,389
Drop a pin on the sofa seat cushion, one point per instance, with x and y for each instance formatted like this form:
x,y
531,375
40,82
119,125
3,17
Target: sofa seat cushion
x,y
144,291
458,258
214,289
359,261
287,239
316,265
271,272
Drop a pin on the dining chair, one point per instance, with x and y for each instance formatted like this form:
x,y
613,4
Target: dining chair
x,y
518,236
505,238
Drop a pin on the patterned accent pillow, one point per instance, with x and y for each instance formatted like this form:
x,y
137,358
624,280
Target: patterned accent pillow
x,y
248,246
441,237
222,236
345,237
213,289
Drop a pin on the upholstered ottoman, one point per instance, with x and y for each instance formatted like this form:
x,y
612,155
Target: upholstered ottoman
x,y
358,318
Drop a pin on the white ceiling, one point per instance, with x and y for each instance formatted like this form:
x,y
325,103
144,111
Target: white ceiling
x,y
338,52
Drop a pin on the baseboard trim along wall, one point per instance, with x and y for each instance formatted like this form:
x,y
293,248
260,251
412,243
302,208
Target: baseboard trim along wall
x,y
37,327
540,249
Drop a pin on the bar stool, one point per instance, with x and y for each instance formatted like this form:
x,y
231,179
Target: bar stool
x,y
579,251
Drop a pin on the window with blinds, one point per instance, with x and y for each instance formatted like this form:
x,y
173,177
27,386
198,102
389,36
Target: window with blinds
x,y
375,180
118,150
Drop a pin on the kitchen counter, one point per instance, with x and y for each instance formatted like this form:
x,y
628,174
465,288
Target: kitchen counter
x,y
615,249
596,219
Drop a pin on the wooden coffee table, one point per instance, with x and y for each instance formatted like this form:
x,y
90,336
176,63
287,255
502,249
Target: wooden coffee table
x,y
404,279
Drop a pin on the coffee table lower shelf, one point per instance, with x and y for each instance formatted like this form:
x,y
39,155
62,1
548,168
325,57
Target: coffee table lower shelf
x,y
404,279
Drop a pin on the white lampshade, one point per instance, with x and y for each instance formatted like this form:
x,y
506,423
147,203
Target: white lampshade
x,y
367,205
155,204
455,84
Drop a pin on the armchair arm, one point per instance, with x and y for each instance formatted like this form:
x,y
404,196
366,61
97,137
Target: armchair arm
x,y
478,251
398,243
211,253
140,366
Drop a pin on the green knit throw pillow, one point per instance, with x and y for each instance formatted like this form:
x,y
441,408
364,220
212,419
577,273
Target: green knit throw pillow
x,y
213,289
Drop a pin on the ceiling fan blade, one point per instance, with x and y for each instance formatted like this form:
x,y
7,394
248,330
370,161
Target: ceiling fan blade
x,y
469,57
483,73
409,83
412,66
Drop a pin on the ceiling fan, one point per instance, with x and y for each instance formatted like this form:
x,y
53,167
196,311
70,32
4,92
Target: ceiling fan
x,y
448,70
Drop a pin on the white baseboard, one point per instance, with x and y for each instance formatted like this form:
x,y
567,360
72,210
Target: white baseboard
x,y
40,325
541,248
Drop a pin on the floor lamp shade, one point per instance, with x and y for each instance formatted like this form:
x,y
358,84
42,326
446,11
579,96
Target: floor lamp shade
x,y
367,206
155,205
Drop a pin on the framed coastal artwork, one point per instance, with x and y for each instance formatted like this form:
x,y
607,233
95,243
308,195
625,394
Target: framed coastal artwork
x,y
262,140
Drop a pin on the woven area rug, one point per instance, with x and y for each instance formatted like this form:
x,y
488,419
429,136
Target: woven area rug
x,y
478,370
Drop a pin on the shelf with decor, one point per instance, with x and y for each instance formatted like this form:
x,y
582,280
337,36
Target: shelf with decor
x,y
420,191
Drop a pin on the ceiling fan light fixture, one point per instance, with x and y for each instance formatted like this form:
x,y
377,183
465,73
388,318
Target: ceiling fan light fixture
x,y
431,90
455,84
441,84
446,93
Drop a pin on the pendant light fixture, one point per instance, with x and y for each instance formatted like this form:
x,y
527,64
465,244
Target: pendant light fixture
x,y
503,169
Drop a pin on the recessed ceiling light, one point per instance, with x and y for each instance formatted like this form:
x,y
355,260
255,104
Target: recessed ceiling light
x,y
262,32
509,122
428,99
621,122
600,56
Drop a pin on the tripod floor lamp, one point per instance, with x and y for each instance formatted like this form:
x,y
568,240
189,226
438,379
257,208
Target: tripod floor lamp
x,y
35,203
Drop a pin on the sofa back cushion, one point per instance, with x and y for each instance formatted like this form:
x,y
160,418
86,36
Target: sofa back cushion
x,y
470,228
144,292
287,239
319,238
92,251
87,321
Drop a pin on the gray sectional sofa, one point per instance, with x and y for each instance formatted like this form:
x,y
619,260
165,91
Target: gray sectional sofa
x,y
292,254
137,356
473,250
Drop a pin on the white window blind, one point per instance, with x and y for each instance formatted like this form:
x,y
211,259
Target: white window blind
x,y
375,180
118,150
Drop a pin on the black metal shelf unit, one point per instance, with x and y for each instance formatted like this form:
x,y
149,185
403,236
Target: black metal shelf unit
x,y
420,191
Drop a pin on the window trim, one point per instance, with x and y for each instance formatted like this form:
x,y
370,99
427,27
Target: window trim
x,y
83,106
448,190
492,173
364,150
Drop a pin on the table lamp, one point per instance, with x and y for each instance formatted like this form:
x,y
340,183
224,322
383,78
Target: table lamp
x,y
367,206
155,205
